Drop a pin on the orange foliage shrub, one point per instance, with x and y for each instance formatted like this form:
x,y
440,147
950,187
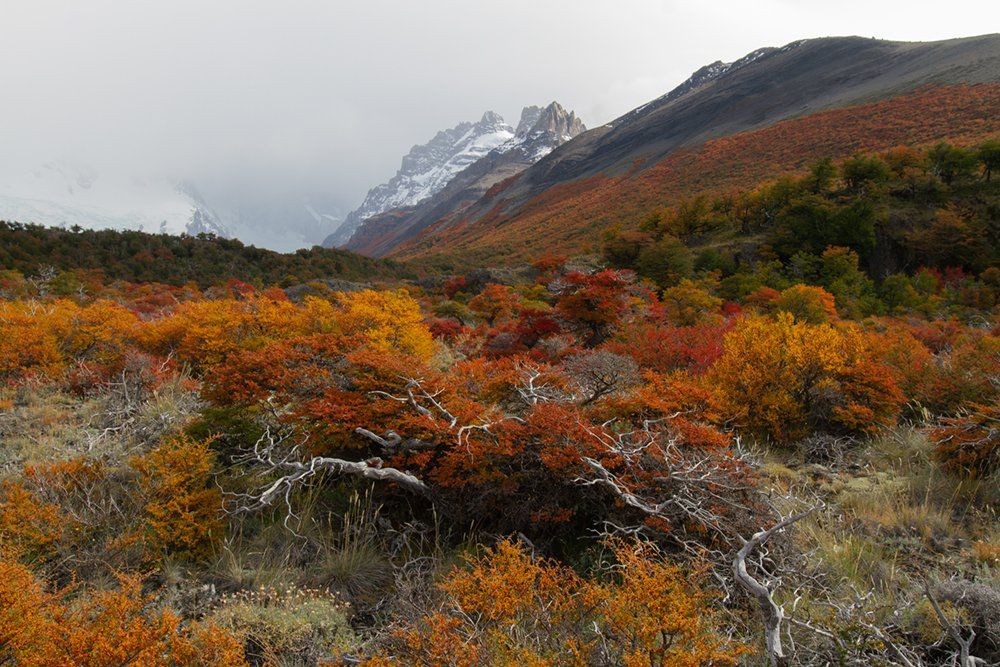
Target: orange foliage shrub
x,y
785,379
28,347
207,333
41,339
593,304
970,442
104,629
965,373
182,503
204,333
99,332
29,525
692,409
513,609
298,367
72,511
496,303
664,348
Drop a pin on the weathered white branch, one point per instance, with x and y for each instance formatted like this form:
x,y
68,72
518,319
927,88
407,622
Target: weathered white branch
x,y
773,614
268,453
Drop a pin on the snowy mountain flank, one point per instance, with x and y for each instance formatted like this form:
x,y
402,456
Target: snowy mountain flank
x,y
68,195
467,149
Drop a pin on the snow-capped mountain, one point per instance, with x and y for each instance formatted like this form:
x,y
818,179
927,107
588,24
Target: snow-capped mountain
x,y
427,168
457,164
61,194
65,195
538,133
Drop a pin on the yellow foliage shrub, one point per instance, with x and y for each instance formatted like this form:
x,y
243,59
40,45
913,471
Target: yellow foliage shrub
x,y
183,506
385,320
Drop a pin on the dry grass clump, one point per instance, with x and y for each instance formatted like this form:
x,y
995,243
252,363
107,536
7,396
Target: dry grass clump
x,y
287,626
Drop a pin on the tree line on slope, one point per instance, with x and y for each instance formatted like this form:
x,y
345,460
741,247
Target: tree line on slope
x,y
203,260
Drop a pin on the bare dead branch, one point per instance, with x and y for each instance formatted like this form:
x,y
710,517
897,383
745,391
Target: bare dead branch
x,y
772,612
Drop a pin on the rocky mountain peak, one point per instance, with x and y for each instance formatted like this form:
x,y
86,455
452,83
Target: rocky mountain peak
x,y
427,168
555,120
542,129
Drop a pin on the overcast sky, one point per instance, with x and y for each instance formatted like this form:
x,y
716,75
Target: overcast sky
x,y
330,94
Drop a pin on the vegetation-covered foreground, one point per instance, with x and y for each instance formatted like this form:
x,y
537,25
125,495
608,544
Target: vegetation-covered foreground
x,y
769,432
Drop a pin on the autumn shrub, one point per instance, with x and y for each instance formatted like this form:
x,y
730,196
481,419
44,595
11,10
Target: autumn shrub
x,y
41,339
98,333
506,607
388,321
688,409
101,513
182,503
301,367
688,304
29,525
663,348
102,628
593,304
785,379
807,303
28,347
970,442
205,332
496,303
964,373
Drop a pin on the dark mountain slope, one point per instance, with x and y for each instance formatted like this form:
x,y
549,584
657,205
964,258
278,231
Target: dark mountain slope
x,y
570,217
767,86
